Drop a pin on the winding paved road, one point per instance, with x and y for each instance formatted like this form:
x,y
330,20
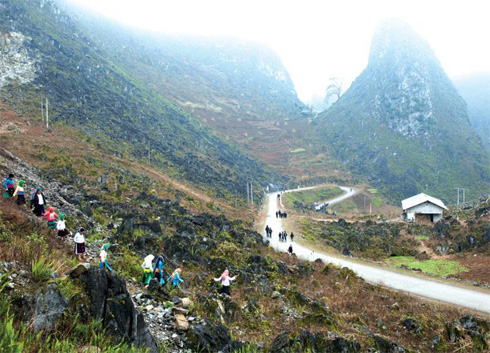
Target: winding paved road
x,y
474,299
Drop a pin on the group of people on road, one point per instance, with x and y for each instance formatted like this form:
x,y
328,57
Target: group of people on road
x,y
268,231
283,236
280,214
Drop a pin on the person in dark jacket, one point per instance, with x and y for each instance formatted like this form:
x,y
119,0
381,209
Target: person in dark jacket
x,y
38,201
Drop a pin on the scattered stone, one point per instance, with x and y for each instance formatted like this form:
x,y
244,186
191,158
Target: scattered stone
x,y
181,323
90,349
275,295
411,325
79,269
186,302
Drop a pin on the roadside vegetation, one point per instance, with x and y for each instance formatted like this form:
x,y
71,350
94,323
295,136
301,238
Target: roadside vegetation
x,y
307,198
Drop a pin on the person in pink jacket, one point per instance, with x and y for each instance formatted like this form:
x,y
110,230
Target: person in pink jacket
x,y
51,216
225,280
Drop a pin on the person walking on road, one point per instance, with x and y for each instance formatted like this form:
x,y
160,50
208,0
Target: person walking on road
x,y
290,249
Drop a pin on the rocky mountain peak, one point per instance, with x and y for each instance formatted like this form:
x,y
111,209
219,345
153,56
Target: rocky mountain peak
x,y
396,42
405,67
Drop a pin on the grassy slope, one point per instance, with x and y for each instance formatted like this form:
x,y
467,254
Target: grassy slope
x,y
309,197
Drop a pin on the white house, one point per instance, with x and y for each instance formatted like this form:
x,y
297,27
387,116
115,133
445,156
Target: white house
x,y
423,206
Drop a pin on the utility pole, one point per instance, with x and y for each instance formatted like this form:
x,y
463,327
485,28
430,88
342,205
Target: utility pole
x,y
251,191
149,152
248,195
47,114
464,196
42,111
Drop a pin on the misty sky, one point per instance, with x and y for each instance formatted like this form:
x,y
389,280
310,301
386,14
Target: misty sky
x,y
318,39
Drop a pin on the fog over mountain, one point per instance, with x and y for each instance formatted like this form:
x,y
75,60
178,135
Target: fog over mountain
x,y
475,89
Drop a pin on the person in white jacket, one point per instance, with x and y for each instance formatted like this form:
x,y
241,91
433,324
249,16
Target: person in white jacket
x,y
61,227
225,282
147,268
79,239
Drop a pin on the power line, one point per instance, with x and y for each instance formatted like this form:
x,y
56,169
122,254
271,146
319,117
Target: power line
x,y
463,194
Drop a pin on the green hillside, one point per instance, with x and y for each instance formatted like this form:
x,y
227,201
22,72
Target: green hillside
x,y
90,89
402,124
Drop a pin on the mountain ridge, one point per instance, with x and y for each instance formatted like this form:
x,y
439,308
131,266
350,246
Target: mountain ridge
x,y
90,90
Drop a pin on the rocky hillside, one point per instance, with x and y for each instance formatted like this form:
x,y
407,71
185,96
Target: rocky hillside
x,y
45,53
402,124
475,89
278,304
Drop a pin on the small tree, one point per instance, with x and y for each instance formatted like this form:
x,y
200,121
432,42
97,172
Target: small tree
x,y
333,91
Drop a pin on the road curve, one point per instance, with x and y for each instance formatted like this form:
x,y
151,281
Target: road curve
x,y
477,300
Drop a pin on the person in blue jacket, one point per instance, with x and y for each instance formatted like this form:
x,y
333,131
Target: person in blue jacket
x,y
158,270
9,186
175,278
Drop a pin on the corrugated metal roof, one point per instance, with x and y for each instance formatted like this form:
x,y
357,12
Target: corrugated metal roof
x,y
421,198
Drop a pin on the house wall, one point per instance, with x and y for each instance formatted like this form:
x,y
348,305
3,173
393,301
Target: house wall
x,y
425,208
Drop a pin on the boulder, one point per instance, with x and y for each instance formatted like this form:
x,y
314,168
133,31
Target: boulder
x,y
208,337
48,308
312,342
79,269
346,252
411,325
453,331
111,303
383,345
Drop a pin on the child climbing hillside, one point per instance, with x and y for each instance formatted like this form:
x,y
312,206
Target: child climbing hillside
x,y
51,217
103,257
147,267
61,227
175,278
20,193
158,270
225,280
9,186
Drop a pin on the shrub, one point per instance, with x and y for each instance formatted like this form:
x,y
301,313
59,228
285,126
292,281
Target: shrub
x,y
41,270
